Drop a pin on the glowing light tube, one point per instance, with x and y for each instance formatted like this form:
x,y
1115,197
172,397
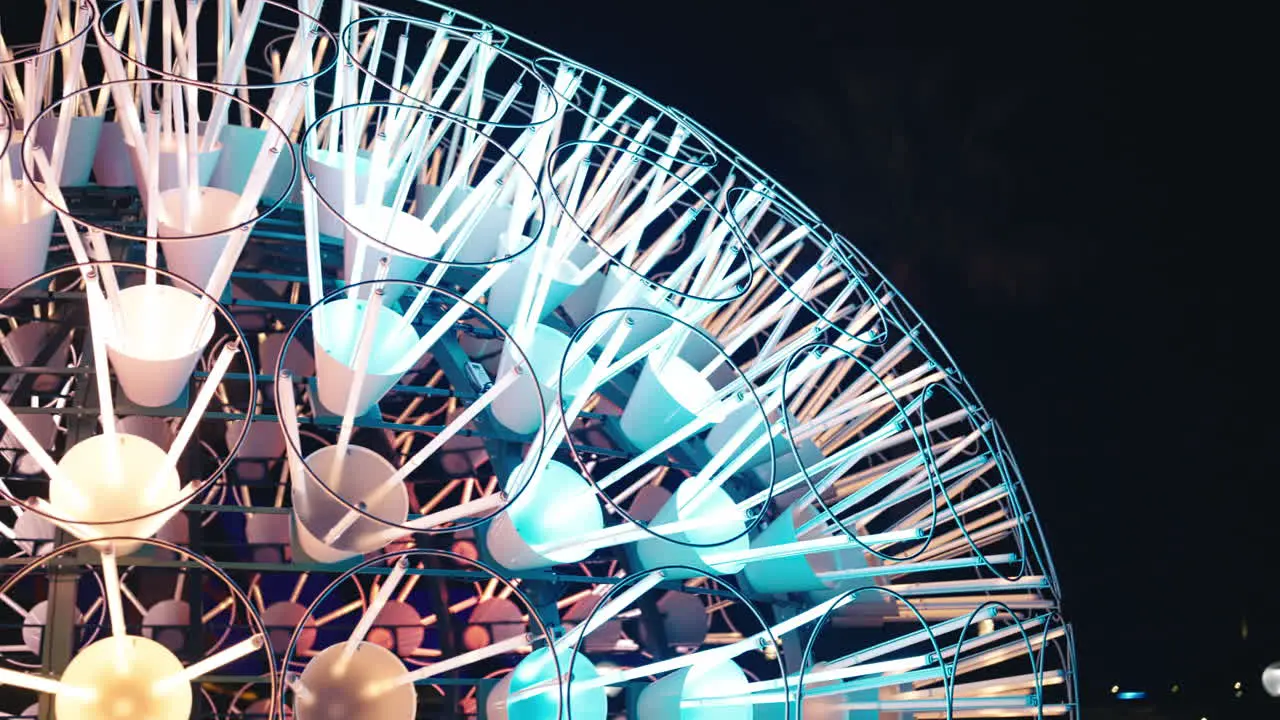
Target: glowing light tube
x,y
475,507
359,365
1027,702
84,532
42,684
914,567
757,692
288,410
243,34
502,647
31,445
100,319
714,655
428,450
479,506
610,610
804,547
626,532
196,412
918,636
550,437
385,593
446,322
115,603
209,664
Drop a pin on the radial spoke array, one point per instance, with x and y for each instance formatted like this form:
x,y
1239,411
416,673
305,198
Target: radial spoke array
x,y
396,364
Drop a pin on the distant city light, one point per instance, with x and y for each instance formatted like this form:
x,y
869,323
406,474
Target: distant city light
x,y
1176,688
1271,679
1115,689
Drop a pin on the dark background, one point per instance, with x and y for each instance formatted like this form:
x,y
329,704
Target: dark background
x,y
1019,172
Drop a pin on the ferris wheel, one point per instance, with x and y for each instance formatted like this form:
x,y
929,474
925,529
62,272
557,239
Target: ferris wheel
x,y
382,365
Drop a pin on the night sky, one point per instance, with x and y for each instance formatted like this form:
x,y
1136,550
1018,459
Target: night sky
x,y
1016,172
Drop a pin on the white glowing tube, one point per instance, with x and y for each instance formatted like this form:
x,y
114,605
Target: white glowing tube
x,y
243,34
115,603
969,470
765,256
470,509
714,655
71,81
730,459
36,84
385,593
311,234
468,413
626,532
83,532
422,455
359,366
475,507
613,182
43,684
288,410
29,443
1028,704
502,647
126,113
550,437
99,320
445,323
297,62
920,474
426,70
219,278
821,520
817,676
689,430
982,499
906,568
805,547
844,459
397,68
268,154
209,664
155,206
196,412
917,636
610,610
580,152
639,220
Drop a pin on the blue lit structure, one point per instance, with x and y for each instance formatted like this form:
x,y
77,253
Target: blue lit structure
x,y
666,442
